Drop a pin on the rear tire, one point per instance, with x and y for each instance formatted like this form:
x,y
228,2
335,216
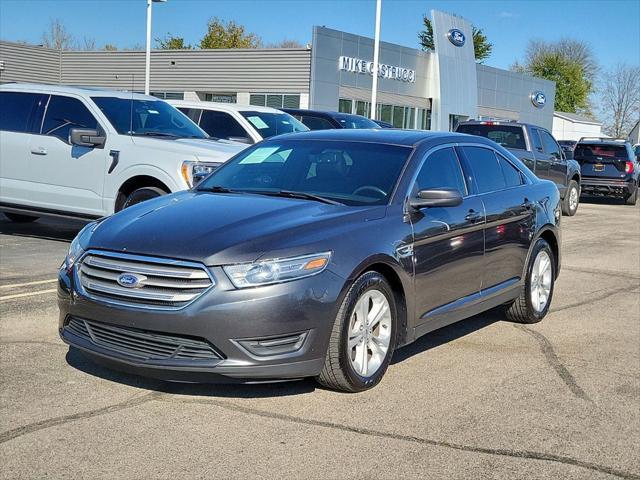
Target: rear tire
x,y
17,218
571,199
632,199
524,308
370,293
142,194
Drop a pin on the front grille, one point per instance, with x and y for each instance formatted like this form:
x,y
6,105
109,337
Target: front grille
x,y
159,283
142,344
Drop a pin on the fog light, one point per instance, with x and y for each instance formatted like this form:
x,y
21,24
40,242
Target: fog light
x,y
264,347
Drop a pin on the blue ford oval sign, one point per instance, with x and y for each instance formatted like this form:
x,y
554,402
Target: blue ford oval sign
x,y
456,37
131,280
538,99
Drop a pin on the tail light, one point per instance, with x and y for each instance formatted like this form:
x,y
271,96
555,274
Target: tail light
x,y
628,167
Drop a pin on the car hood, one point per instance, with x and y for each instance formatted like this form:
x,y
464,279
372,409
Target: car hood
x,y
204,149
218,229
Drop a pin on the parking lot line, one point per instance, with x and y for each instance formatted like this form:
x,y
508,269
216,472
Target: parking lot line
x,y
28,294
27,284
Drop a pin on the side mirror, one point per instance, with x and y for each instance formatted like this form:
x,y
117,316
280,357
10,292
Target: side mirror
x,y
436,197
86,137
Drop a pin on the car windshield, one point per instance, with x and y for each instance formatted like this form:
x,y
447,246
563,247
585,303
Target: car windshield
x,y
508,136
270,124
355,121
585,150
147,117
352,173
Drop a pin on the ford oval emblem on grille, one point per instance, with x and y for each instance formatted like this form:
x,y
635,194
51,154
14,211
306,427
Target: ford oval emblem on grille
x,y
131,280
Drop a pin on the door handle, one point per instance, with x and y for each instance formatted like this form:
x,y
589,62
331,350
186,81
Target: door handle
x,y
473,216
39,151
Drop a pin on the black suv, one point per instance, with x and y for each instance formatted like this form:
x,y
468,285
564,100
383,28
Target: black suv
x,y
326,120
539,151
609,168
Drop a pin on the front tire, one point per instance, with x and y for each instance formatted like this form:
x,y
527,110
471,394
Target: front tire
x,y
571,199
363,337
142,194
16,218
535,297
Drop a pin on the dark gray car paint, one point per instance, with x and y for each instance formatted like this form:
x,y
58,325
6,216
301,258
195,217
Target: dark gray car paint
x,y
217,229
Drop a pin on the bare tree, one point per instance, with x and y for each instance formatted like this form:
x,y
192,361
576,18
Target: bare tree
x,y
620,99
286,43
57,36
87,44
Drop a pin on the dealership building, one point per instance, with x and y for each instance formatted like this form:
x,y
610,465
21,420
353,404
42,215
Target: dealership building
x,y
416,89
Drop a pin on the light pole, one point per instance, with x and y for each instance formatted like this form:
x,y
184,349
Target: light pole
x,y
147,65
376,55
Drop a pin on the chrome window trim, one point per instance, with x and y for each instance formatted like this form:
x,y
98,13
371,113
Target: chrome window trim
x,y
140,258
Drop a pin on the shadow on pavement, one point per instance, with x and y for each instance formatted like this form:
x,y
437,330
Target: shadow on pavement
x,y
56,229
76,359
602,200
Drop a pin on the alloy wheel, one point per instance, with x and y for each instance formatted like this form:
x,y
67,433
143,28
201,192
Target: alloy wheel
x,y
573,199
369,333
541,278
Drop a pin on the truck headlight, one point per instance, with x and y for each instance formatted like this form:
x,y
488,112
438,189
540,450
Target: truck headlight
x,y
194,172
276,271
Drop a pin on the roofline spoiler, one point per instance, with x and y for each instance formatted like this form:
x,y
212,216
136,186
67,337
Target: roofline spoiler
x,y
602,139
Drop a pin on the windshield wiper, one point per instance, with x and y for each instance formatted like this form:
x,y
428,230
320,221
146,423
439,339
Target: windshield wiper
x,y
155,134
216,189
301,195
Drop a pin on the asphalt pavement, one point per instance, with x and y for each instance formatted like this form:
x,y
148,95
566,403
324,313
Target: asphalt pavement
x,y
485,398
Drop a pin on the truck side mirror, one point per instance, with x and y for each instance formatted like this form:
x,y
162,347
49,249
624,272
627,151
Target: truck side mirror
x,y
86,137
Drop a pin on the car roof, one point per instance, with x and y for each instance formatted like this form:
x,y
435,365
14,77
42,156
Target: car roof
x,y
603,141
322,113
77,90
228,107
409,138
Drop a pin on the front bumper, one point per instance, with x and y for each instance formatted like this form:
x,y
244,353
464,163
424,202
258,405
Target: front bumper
x,y
607,187
225,318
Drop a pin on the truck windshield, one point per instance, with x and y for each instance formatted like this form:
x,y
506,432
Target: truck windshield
x,y
147,117
270,124
509,136
352,173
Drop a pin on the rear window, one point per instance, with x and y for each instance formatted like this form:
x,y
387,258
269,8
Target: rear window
x,y
508,136
585,150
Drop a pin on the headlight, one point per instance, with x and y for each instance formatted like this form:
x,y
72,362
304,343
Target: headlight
x,y
194,172
276,271
76,249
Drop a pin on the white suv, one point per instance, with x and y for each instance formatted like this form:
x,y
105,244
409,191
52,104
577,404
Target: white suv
x,y
238,123
86,153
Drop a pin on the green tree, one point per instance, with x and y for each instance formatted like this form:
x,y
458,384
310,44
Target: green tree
x,y
171,42
109,47
482,48
570,64
221,34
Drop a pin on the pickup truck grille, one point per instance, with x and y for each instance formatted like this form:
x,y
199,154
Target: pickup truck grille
x,y
141,281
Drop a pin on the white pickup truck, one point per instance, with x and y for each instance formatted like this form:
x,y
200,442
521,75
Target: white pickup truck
x,y
87,153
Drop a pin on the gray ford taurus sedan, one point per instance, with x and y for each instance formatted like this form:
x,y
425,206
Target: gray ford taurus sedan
x,y
313,255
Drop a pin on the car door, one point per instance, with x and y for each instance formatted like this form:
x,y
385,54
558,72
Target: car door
x,y
448,241
543,159
507,200
67,177
18,120
557,165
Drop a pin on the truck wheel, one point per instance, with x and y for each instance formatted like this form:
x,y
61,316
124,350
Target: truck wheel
x,y
535,297
363,337
141,195
14,217
571,199
632,199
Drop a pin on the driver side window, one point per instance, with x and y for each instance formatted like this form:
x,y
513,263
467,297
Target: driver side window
x,y
65,113
441,169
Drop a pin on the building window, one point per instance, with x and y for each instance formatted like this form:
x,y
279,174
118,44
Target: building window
x,y
363,108
424,119
454,121
169,95
345,105
221,97
275,100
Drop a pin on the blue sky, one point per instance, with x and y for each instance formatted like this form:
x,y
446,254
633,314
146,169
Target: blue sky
x,y
612,27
